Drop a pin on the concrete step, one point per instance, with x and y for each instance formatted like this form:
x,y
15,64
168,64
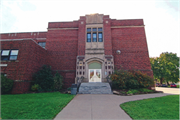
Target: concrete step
x,y
95,88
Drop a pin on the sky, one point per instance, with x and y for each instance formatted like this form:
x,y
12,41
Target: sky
x,y
161,17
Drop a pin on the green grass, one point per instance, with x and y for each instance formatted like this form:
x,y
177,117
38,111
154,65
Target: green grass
x,y
166,107
33,106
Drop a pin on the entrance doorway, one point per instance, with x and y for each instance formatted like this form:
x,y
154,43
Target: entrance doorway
x,y
94,75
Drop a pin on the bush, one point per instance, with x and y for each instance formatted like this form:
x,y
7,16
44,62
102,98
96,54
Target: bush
x,y
35,87
6,85
129,92
130,80
58,81
44,78
134,91
145,90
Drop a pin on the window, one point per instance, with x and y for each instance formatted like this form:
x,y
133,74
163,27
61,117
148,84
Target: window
x,y
88,37
42,44
5,54
94,35
13,55
4,74
100,39
9,54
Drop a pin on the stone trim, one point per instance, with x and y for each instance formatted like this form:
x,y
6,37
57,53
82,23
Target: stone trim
x,y
61,28
65,70
23,81
126,26
3,65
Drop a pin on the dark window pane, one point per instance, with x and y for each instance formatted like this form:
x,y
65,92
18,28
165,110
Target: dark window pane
x,y
94,37
99,29
88,37
88,29
94,29
5,52
4,57
42,44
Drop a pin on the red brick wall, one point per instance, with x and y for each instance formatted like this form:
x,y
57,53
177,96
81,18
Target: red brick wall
x,y
133,46
23,35
62,47
136,22
73,24
81,36
30,59
107,36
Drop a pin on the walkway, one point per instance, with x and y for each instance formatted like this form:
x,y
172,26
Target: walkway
x,y
168,90
96,107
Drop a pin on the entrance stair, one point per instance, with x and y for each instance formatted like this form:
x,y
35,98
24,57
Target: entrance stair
x,y
95,88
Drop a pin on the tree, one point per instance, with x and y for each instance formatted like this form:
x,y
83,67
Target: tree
x,y
166,67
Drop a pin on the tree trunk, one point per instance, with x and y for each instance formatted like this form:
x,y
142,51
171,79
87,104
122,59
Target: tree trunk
x,y
167,83
161,80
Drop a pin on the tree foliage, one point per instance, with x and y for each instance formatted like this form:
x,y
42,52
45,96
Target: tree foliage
x,y
166,67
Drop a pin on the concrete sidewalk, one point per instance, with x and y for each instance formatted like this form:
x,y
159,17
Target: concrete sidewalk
x,y
96,107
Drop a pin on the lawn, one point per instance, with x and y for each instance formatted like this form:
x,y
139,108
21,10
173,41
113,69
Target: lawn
x,y
166,107
33,106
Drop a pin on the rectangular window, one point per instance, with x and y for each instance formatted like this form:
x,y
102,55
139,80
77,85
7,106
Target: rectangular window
x,y
42,44
88,29
9,54
100,38
94,37
88,37
99,29
14,54
5,55
94,29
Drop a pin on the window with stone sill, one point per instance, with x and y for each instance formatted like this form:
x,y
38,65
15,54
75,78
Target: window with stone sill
x,y
94,34
9,54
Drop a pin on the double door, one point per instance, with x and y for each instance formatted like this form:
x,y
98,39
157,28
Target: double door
x,y
94,75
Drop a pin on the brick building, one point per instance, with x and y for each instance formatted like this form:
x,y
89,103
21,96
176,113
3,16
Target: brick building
x,y
90,47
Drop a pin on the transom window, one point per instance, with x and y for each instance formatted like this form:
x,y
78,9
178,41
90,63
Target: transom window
x,y
9,54
94,34
42,44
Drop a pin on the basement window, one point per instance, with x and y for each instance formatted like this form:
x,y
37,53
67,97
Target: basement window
x,y
42,44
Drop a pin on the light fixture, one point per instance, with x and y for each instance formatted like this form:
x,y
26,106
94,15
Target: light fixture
x,y
118,51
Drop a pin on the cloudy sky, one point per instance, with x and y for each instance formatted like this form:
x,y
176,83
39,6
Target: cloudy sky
x,y
161,17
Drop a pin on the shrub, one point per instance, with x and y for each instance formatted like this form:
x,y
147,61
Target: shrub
x,y
134,91
35,87
130,80
44,78
6,85
58,81
145,90
129,92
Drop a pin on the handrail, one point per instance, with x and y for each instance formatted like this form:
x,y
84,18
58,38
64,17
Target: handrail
x,y
109,80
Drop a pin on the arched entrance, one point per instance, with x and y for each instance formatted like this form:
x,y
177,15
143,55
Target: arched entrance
x,y
95,74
